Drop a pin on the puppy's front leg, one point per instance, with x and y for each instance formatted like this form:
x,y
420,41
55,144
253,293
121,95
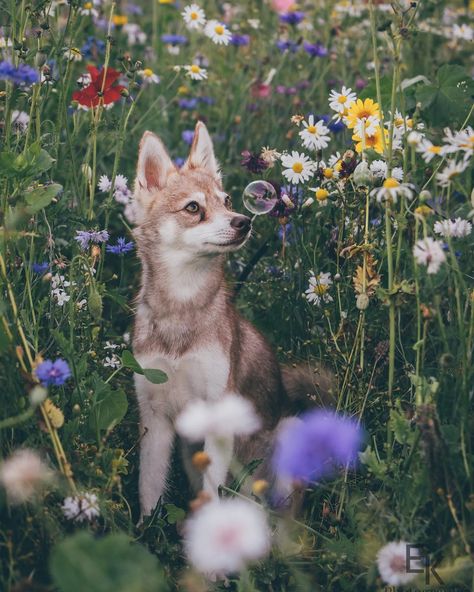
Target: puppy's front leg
x,y
155,452
220,452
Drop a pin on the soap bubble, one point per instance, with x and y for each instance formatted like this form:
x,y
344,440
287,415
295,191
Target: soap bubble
x,y
259,197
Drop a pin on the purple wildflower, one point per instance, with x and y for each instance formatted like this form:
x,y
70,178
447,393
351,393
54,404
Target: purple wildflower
x,y
40,268
207,100
315,50
187,136
23,75
174,39
121,247
187,103
179,161
336,126
314,447
287,45
85,237
51,373
292,18
239,40
253,162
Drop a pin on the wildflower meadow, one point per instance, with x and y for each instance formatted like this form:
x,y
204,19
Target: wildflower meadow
x,y
345,131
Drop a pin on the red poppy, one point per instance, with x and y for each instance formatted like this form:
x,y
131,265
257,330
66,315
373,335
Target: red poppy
x,y
98,91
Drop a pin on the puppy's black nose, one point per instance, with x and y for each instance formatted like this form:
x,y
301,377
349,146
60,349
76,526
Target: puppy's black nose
x,y
242,223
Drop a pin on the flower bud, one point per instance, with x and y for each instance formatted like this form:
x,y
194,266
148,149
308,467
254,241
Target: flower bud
x,y
363,176
201,460
362,301
308,202
259,487
37,395
95,303
425,195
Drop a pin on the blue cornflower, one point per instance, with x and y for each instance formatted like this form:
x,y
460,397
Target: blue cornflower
x,y
121,247
85,237
174,39
187,103
207,100
336,126
93,47
316,50
40,267
51,373
287,45
187,136
23,75
314,447
239,40
292,18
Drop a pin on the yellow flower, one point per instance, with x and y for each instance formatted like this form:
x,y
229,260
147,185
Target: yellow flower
x,y
328,173
361,110
321,194
183,90
374,142
119,20
423,211
54,414
165,1
391,183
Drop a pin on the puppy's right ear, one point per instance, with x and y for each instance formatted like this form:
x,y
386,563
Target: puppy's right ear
x,y
154,164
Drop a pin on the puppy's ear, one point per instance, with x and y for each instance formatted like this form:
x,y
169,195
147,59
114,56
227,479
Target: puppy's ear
x,y
202,152
153,169
154,164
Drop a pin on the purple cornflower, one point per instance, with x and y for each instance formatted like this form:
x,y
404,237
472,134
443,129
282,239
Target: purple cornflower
x,y
187,103
287,45
292,18
40,268
51,373
85,237
121,247
253,162
239,40
207,100
314,447
316,50
174,39
23,75
187,136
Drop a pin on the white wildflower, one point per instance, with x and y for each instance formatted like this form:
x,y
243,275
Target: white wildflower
x,y
82,507
392,563
23,474
429,252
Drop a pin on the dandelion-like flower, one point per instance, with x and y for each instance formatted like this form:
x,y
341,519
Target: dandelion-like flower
x,y
81,508
51,373
195,72
299,168
360,110
429,252
318,289
373,141
392,563
22,474
314,135
391,189
194,16
217,32
315,445
225,535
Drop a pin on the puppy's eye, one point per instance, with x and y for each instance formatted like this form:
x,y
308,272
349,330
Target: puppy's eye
x,y
192,207
228,202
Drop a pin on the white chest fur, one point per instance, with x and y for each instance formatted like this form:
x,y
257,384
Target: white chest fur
x,y
198,374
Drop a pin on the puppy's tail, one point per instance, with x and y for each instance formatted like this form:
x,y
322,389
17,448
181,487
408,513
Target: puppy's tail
x,y
309,385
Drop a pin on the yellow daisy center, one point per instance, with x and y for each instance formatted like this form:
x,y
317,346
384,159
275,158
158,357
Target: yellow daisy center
x,y
342,99
193,16
434,149
321,194
320,289
219,29
88,5
148,72
195,69
311,129
391,183
297,167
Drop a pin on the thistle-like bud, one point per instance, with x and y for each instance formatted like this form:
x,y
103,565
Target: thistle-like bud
x,y
362,301
363,176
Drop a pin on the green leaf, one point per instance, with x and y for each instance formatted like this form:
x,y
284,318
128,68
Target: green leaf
x,y
449,99
370,91
110,564
401,428
40,197
154,376
108,406
373,464
174,514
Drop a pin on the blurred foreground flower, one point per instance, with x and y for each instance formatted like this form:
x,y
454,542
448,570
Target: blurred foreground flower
x,y
225,535
23,474
316,445
392,563
231,415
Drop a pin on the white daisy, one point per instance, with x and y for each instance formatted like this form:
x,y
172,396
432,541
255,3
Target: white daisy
x,y
340,101
82,507
148,76
73,54
463,32
194,16
451,170
428,150
457,228
218,32
196,72
391,189
379,169
317,291
232,415
298,167
429,252
414,138
459,141
370,125
225,535
89,10
392,563
314,135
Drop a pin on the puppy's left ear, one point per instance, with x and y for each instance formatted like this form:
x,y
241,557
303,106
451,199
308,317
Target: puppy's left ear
x,y
201,155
